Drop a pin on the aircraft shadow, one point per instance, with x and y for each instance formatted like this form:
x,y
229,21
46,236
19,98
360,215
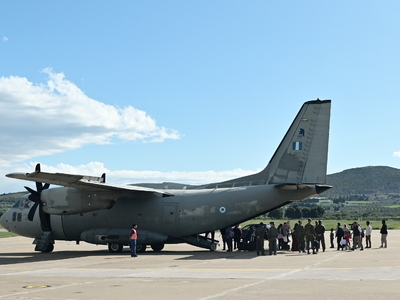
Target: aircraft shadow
x,y
34,257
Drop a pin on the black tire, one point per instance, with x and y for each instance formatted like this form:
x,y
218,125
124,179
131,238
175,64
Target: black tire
x,y
140,248
157,247
213,246
115,248
50,248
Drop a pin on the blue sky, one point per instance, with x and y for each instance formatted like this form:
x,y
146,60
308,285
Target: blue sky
x,y
192,91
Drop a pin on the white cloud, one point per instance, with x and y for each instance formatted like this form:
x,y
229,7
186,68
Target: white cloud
x,y
5,39
43,119
396,154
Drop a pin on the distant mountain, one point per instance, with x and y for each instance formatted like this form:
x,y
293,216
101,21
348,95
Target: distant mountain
x,y
365,181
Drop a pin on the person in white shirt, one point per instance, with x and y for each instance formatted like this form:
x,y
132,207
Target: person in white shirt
x,y
368,231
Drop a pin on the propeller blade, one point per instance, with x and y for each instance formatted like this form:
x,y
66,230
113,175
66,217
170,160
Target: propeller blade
x,y
30,190
32,211
39,186
35,197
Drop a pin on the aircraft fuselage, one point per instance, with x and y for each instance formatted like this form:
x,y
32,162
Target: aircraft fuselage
x,y
186,213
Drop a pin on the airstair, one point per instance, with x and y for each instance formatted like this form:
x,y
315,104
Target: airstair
x,y
201,241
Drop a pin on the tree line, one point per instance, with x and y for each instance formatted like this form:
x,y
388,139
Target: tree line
x,y
297,212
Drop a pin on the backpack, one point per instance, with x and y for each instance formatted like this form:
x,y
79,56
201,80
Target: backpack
x,y
361,231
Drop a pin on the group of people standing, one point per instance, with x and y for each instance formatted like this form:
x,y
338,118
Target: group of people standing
x,y
231,237
262,233
308,237
345,235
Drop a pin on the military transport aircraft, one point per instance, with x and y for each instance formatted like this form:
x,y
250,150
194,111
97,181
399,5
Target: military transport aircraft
x,y
85,208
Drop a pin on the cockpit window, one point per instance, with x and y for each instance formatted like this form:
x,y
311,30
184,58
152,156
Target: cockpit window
x,y
21,203
16,205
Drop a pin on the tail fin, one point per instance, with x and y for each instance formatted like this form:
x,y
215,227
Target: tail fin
x,y
302,155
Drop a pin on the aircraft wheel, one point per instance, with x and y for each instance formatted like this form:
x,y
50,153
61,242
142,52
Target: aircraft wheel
x,y
49,248
157,247
115,248
213,246
140,248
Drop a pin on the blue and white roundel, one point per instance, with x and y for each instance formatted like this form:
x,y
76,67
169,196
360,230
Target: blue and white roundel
x,y
222,209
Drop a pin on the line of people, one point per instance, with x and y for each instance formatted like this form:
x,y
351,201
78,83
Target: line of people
x,y
355,234
304,238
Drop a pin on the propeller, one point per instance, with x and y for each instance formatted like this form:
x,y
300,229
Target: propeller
x,y
35,198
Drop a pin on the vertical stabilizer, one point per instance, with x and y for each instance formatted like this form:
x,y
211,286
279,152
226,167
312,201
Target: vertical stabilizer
x,y
302,156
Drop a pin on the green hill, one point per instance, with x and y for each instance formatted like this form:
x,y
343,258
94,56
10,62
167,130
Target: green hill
x,y
370,180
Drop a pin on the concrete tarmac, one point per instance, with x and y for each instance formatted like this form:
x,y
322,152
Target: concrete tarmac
x,y
181,271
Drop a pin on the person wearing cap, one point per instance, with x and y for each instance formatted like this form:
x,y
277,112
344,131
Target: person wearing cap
x,y
310,235
260,233
272,238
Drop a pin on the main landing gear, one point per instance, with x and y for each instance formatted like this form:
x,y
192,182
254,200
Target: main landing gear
x,y
140,248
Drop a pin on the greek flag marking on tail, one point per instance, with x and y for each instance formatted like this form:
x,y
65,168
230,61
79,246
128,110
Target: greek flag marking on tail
x,y
297,146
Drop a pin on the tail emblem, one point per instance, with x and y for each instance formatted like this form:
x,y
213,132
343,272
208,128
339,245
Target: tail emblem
x,y
297,146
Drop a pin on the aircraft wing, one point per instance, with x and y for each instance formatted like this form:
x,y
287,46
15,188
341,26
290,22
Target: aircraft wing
x,y
81,182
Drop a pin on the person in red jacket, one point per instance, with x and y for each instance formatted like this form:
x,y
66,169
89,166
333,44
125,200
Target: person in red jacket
x,y
133,239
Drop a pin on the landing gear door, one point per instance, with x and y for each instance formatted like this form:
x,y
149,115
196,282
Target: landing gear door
x,y
169,217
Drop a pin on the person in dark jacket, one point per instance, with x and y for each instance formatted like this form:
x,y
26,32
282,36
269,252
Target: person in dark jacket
x,y
223,236
229,233
260,233
320,234
237,236
272,236
339,236
357,237
310,236
301,234
384,234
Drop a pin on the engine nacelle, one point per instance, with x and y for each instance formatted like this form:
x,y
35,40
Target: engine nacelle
x,y
69,201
